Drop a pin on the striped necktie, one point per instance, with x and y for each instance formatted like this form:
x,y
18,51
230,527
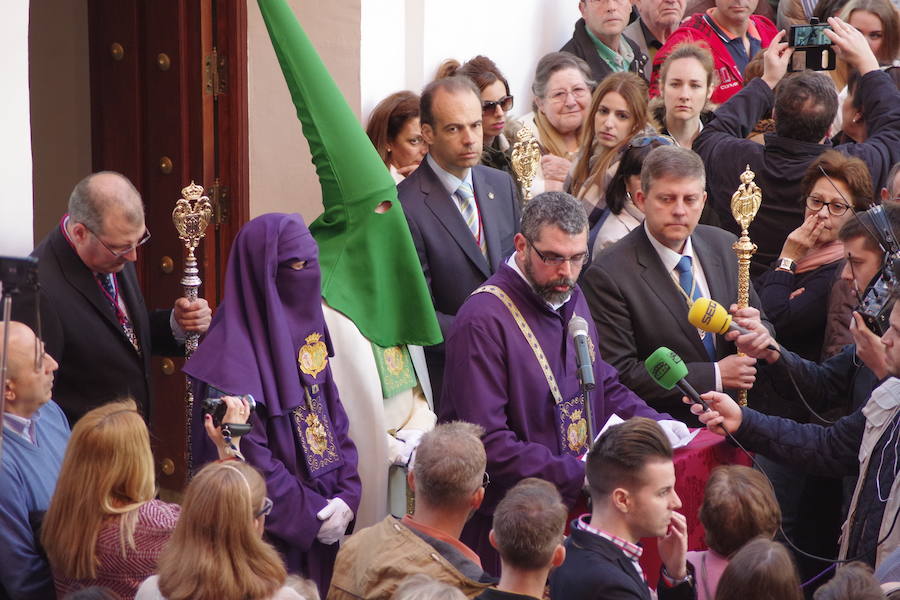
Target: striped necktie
x,y
689,285
469,211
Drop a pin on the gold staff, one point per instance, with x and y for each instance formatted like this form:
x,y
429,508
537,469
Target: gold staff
x,y
525,159
745,202
191,215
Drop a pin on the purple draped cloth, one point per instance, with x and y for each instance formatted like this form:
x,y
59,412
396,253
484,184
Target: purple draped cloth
x,y
269,322
492,378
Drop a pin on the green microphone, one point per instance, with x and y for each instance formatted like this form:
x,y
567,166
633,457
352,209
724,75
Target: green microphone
x,y
668,370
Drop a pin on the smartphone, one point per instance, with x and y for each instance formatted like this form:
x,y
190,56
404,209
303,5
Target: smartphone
x,y
809,36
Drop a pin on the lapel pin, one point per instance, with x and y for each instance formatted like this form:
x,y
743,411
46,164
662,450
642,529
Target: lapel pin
x,y
491,195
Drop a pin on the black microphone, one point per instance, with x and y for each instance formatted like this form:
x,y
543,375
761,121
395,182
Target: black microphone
x,y
578,329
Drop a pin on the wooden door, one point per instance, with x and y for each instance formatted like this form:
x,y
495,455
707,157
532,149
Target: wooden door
x,y
169,106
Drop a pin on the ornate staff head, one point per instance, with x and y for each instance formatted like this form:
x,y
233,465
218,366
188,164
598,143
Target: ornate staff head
x,y
745,202
191,215
526,156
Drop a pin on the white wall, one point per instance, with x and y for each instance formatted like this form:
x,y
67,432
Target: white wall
x,y
404,42
15,151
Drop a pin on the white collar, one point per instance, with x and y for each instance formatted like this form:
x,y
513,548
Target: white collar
x,y
668,256
450,181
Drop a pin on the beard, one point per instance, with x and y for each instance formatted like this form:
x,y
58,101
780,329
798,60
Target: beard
x,y
546,290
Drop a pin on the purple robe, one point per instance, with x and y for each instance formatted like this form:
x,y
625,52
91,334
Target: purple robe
x,y
266,319
493,379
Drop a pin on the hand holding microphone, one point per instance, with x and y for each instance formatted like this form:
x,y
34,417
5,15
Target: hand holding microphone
x,y
753,340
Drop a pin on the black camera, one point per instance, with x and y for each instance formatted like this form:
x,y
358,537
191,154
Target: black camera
x,y
215,406
876,304
814,50
18,273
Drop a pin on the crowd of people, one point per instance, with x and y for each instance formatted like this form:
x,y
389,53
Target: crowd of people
x,y
412,385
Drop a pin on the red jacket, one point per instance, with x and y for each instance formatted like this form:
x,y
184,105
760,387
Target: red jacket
x,y
696,29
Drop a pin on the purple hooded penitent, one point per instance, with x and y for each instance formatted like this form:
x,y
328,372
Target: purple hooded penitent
x,y
268,339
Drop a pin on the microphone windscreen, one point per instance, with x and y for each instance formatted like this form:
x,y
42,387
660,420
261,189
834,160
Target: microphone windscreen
x,y
665,367
577,326
709,315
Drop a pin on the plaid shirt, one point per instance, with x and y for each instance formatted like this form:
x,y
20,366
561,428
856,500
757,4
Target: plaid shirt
x,y
632,551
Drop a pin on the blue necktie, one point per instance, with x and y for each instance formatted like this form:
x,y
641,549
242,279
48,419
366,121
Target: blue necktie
x,y
689,285
108,283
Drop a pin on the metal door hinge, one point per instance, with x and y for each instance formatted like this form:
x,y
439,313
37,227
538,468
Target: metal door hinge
x,y
214,74
218,197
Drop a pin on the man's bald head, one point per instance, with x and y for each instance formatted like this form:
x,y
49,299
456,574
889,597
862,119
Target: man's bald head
x,y
102,195
28,385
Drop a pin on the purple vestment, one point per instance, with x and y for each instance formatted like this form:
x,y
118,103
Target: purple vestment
x,y
268,339
492,378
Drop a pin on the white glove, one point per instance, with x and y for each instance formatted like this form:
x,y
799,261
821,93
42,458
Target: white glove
x,y
410,439
675,430
335,517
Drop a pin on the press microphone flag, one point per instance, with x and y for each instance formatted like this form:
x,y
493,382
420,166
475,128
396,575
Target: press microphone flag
x,y
668,370
578,329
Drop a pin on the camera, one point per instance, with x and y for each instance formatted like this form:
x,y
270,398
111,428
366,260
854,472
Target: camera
x,y
809,36
18,274
814,50
215,406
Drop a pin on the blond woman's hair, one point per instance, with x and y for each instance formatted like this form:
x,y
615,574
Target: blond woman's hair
x,y
216,550
107,473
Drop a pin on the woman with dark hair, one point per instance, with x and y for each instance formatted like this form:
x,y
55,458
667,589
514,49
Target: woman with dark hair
x,y
217,550
496,102
794,294
879,22
761,569
394,130
624,215
562,93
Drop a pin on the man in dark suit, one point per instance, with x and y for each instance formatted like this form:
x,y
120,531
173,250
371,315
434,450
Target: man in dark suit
x,y
631,479
640,289
93,317
463,216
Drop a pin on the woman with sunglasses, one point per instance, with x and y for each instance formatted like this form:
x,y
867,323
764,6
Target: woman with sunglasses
x,y
687,80
496,102
794,294
624,215
217,550
104,526
618,113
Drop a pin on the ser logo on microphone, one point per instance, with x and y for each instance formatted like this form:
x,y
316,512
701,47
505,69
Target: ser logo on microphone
x,y
711,309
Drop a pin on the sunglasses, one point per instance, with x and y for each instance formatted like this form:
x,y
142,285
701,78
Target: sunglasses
x,y
645,140
266,508
506,103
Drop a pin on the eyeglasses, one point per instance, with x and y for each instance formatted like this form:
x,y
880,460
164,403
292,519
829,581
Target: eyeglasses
x,y
815,203
489,106
642,141
560,96
121,253
579,260
266,508
485,480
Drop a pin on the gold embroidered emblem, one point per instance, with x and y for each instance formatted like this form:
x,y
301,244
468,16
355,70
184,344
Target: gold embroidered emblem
x,y
313,357
316,436
393,360
576,433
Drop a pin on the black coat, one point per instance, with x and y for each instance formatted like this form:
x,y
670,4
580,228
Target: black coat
x,y
779,165
595,569
80,330
583,47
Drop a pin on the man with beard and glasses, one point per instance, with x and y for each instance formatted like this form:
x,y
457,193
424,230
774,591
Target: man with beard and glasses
x,y
512,367
641,288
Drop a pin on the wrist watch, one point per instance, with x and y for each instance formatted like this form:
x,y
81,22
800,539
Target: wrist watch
x,y
786,264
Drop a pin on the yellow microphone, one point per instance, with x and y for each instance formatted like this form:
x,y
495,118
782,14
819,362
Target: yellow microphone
x,y
711,316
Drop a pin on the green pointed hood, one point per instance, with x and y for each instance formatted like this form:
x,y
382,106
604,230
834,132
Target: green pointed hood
x,y
370,270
